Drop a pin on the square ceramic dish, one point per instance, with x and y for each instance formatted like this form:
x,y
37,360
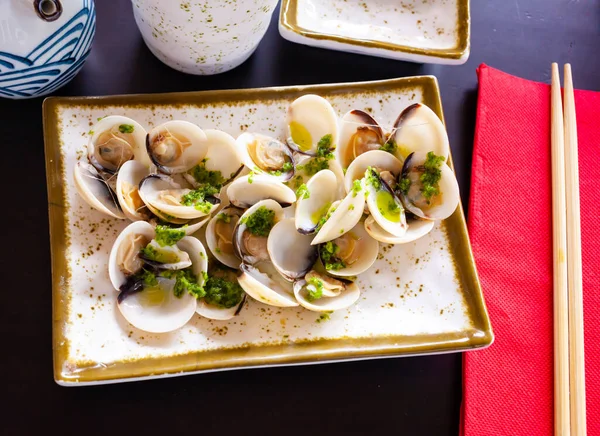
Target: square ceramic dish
x,y
419,298
433,31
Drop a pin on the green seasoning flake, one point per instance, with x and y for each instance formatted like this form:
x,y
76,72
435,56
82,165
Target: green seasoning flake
x,y
314,165
328,255
393,207
197,198
351,207
390,146
324,146
224,217
126,128
324,218
320,214
296,182
260,222
373,178
149,252
324,317
316,290
185,280
356,188
302,192
148,278
164,256
431,175
251,177
288,166
166,236
404,185
204,176
222,293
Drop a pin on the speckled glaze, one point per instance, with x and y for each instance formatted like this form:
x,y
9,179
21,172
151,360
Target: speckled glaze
x,y
418,298
204,37
435,31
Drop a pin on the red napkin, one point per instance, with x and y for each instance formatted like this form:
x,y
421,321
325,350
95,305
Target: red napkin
x,y
508,388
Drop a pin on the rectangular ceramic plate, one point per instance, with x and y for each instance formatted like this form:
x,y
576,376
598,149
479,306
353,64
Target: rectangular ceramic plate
x,y
434,31
420,298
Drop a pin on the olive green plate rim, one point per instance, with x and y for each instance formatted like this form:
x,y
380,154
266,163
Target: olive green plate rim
x,y
247,355
288,19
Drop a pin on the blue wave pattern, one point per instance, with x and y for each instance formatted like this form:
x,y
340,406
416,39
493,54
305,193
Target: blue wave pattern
x,y
52,63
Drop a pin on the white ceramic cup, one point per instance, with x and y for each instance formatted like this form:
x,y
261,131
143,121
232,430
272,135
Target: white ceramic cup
x,y
205,38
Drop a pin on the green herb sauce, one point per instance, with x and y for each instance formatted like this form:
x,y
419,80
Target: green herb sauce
x,y
260,222
126,128
329,257
390,146
167,236
222,293
207,177
302,192
431,175
316,292
197,198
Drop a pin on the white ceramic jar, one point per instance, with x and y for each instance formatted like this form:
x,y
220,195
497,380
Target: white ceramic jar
x,y
208,37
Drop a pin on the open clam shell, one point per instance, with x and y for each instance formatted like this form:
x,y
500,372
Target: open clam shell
x,y
115,140
246,191
439,206
359,133
157,309
253,248
321,192
351,254
263,283
263,154
345,216
290,251
419,129
95,190
345,298
380,160
311,120
176,146
127,190
160,193
219,236
124,259
222,162
385,207
417,228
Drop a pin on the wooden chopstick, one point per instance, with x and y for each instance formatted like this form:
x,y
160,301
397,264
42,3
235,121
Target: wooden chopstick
x,y
575,286
559,240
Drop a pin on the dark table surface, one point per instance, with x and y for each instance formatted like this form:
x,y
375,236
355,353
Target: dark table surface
x,y
410,396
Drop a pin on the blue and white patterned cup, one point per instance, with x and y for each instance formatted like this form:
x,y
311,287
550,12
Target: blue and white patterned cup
x,y
43,44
